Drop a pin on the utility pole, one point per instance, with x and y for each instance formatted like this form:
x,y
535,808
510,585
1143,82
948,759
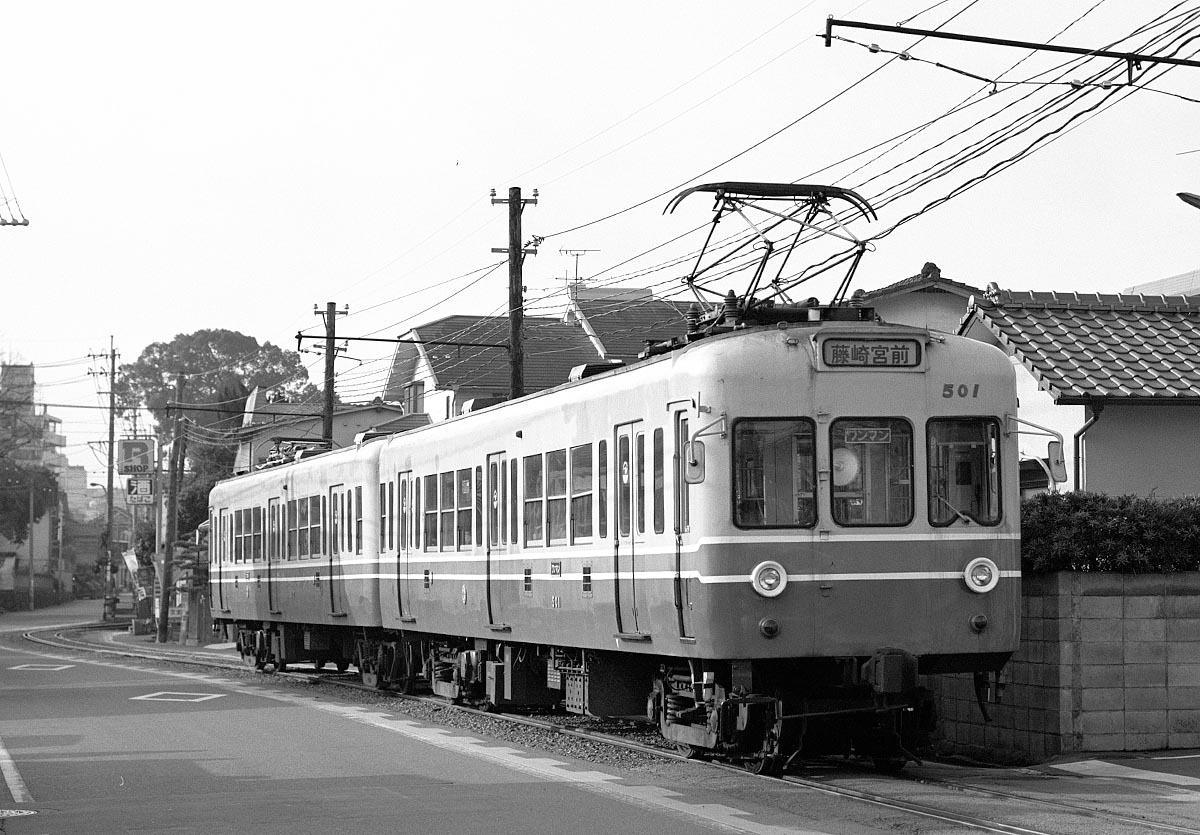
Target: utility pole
x,y
32,586
112,427
178,445
330,315
516,289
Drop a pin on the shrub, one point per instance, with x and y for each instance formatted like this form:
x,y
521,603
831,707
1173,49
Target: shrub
x,y
1097,532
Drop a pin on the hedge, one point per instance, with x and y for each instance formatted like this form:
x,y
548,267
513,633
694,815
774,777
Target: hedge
x,y
1097,532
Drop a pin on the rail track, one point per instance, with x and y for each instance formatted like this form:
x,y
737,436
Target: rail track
x,y
933,794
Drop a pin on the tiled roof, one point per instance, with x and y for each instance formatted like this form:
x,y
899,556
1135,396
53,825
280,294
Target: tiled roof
x,y
930,277
624,325
551,350
1087,346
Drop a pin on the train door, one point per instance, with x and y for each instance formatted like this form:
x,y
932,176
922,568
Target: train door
x,y
221,548
497,540
275,529
630,509
682,513
403,545
340,544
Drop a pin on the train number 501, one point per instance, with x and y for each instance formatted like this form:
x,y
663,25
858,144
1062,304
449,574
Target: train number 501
x,y
961,390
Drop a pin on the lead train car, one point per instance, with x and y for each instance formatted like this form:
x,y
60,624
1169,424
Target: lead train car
x,y
758,539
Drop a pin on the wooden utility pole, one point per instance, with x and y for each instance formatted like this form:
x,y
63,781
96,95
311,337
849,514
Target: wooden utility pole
x,y
32,576
330,315
177,458
516,289
109,586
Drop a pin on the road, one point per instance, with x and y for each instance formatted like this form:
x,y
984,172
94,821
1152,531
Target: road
x,y
113,746
96,744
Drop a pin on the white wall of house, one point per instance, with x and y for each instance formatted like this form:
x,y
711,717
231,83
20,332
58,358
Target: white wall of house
x,y
1145,450
937,311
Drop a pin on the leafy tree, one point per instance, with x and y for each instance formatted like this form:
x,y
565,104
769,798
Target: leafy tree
x,y
15,484
220,369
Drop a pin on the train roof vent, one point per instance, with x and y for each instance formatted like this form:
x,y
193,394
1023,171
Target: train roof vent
x,y
477,403
591,369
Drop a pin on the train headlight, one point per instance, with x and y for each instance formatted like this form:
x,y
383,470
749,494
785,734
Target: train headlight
x,y
769,578
981,575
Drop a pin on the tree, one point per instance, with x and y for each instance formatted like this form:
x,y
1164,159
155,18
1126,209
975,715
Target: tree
x,y
15,485
221,368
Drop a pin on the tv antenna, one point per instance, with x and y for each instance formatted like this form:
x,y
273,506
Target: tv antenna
x,y
576,253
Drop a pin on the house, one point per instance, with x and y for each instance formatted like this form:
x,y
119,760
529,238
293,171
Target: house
x,y
274,431
1117,374
462,362
925,300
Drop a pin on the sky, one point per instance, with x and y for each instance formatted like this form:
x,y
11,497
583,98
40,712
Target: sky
x,y
233,165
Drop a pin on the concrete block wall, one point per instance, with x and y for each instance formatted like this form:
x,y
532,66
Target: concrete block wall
x,y
1108,662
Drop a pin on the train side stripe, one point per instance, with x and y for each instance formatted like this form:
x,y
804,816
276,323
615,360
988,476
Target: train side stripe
x,y
641,575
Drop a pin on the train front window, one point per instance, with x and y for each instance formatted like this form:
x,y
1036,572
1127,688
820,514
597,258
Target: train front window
x,y
964,471
872,471
774,469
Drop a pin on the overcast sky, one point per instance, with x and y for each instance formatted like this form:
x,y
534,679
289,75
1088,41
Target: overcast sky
x,y
231,165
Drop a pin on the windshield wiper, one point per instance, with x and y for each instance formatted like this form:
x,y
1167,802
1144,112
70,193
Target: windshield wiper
x,y
966,519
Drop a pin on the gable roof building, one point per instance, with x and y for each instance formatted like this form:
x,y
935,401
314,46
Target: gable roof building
x,y
431,374
925,300
1131,361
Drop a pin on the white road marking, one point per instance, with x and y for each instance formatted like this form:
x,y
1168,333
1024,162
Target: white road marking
x,y
12,777
168,696
43,668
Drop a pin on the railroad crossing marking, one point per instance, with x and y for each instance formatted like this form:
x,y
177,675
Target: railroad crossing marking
x,y
167,696
43,668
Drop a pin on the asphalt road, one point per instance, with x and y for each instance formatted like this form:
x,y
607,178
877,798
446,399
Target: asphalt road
x,y
112,746
107,745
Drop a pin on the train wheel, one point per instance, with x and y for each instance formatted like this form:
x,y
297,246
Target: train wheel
x,y
766,766
690,752
342,666
318,664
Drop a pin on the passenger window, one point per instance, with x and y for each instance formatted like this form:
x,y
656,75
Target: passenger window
x,y
658,484
447,508
602,487
431,517
534,530
872,471
465,494
775,473
964,470
581,493
556,496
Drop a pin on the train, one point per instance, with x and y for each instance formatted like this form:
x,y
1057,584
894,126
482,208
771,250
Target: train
x,y
758,540
761,537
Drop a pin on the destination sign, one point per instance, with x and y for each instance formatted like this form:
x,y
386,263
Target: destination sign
x,y
871,353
